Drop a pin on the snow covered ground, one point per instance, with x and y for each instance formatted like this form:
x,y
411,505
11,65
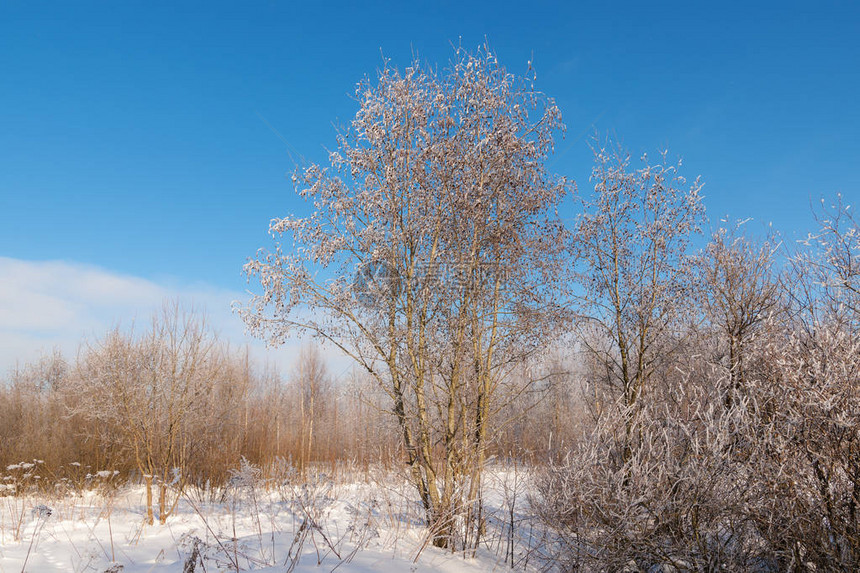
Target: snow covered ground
x,y
356,523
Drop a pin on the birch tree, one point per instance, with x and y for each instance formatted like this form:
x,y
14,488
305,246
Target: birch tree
x,y
429,258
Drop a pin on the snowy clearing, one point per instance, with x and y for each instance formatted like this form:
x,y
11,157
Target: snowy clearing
x,y
359,522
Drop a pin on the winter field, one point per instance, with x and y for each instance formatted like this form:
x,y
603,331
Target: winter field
x,y
683,388
352,521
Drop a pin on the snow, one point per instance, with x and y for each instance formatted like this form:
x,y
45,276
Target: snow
x,y
353,524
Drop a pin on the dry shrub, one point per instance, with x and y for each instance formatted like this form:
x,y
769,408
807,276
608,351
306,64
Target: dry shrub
x,y
729,468
678,500
808,449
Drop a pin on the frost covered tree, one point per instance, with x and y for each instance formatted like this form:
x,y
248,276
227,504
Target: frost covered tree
x,y
149,390
633,262
430,259
741,290
750,466
826,271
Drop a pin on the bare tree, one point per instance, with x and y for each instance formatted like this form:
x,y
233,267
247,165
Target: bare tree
x,y
428,260
631,242
150,389
826,269
741,291
31,423
811,400
312,383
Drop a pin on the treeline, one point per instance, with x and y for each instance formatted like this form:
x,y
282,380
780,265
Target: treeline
x,y
172,406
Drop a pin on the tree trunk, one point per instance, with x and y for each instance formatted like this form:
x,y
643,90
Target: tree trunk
x,y
150,517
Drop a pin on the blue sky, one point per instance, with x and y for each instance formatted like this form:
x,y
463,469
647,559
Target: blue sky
x,y
140,141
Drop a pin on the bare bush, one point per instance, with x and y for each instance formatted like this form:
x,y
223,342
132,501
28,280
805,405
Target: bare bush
x,y
808,450
677,501
768,480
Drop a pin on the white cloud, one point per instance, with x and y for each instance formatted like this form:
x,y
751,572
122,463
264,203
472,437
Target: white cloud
x,y
57,304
